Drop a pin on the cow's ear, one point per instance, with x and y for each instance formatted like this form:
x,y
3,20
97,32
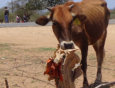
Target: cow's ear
x,y
43,20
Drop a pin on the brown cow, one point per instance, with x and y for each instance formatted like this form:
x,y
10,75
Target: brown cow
x,y
82,24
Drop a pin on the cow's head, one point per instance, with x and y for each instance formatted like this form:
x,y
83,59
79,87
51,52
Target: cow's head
x,y
62,18
60,55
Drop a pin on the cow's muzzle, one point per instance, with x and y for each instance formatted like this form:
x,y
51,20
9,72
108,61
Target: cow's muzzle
x,y
67,45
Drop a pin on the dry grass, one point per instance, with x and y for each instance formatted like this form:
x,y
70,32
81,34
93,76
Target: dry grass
x,y
24,51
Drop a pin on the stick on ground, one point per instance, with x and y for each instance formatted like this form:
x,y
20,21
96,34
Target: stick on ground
x,y
106,84
6,83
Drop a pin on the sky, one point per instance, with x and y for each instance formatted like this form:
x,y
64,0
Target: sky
x,y
110,3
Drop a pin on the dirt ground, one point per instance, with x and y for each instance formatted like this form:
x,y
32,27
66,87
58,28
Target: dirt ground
x,y
24,51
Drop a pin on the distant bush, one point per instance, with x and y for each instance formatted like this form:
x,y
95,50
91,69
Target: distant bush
x,y
12,17
112,16
2,14
34,17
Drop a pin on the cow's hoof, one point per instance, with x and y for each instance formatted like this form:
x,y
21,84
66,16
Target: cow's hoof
x,y
93,85
97,82
85,86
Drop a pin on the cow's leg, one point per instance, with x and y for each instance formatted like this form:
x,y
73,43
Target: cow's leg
x,y
100,56
84,50
99,48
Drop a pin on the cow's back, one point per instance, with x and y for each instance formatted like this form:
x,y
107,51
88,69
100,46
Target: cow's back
x,y
97,15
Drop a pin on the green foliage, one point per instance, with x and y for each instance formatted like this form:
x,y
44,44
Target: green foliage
x,y
34,16
1,14
4,47
18,7
42,49
47,49
29,8
22,11
112,16
42,4
12,17
55,2
34,4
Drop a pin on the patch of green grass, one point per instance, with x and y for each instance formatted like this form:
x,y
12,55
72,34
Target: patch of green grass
x,y
4,46
15,74
47,49
7,74
16,86
92,57
42,49
33,81
112,15
112,57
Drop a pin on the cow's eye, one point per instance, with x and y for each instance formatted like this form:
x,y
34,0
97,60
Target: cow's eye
x,y
55,22
51,71
64,56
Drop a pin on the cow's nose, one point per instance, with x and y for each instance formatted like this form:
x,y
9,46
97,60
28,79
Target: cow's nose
x,y
68,45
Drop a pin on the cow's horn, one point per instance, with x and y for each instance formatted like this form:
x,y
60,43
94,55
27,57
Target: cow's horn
x,y
49,8
71,6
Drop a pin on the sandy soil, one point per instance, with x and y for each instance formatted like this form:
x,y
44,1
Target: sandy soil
x,y
24,51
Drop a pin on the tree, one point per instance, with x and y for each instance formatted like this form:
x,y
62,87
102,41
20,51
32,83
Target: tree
x,y
34,4
42,4
28,7
55,2
2,13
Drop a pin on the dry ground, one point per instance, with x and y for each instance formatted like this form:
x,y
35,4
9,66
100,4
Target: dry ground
x,y
24,51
